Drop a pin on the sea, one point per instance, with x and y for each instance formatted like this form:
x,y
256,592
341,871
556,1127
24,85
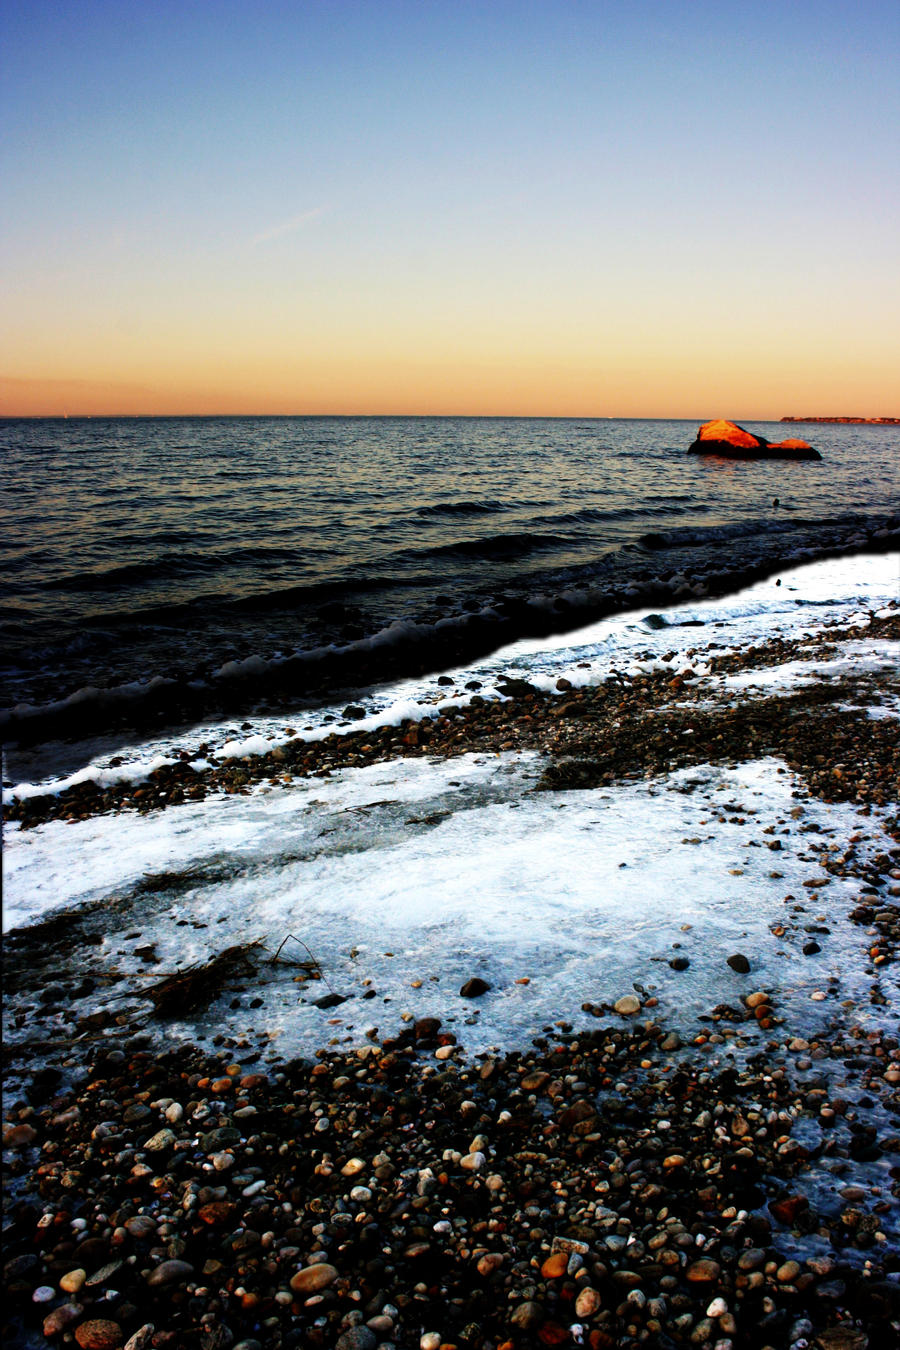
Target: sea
x,y
160,570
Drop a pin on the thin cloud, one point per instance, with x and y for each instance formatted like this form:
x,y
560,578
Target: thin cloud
x,y
287,226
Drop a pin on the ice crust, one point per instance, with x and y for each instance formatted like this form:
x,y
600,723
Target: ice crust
x,y
432,871
438,871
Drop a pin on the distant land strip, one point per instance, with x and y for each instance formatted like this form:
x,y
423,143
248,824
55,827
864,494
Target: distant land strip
x,y
854,421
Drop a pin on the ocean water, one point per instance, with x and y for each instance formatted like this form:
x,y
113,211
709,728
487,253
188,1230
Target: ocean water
x,y
158,569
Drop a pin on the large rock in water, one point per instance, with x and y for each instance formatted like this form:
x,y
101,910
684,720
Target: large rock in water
x,y
721,437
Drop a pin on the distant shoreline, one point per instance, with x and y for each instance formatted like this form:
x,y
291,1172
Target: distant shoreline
x,y
849,421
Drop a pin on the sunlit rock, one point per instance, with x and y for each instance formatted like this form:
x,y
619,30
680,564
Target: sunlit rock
x,y
721,437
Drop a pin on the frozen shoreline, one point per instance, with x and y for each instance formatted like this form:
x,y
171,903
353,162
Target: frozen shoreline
x,y
411,845
621,817
787,603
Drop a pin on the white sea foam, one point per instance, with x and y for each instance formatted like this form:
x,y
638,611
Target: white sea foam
x,y
802,600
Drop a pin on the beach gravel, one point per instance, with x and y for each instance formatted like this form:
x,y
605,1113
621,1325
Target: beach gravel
x,y
614,1185
601,1191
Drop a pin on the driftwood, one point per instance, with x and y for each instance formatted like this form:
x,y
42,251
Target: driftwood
x,y
311,967
196,987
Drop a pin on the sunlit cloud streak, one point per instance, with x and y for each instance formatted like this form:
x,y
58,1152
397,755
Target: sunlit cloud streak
x,y
287,226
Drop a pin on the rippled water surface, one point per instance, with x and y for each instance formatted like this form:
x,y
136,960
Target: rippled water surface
x,y
134,548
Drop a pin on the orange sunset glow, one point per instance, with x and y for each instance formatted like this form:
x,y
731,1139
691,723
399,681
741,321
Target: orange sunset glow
x,y
383,210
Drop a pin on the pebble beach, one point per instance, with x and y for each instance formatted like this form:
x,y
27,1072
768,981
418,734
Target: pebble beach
x,y
622,1176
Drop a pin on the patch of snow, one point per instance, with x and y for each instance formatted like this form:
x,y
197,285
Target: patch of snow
x,y
427,873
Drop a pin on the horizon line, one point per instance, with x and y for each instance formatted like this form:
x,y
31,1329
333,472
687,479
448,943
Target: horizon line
x,y
518,417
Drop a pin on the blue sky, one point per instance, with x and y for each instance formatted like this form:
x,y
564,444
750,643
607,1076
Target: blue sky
x,y
512,206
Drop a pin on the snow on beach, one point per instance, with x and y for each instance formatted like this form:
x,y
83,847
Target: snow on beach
x,y
406,878
422,874
244,1024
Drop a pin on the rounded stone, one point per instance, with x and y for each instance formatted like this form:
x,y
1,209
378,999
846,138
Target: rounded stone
x,y
357,1338
527,1316
311,1279
490,1262
99,1334
555,1266
627,1005
61,1318
703,1272
73,1280
587,1302
169,1272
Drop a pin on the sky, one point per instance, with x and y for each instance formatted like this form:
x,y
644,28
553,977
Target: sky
x,y
512,207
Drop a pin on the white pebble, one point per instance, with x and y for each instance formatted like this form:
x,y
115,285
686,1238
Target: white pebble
x,y
718,1308
430,1340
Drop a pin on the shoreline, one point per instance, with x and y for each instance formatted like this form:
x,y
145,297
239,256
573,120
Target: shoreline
x,y
670,566
732,1183
527,718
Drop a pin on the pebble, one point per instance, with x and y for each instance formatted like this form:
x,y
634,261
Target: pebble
x,y
627,1005
357,1338
61,1318
141,1338
628,1188
170,1272
527,1316
159,1142
703,1272
98,1334
311,1279
588,1302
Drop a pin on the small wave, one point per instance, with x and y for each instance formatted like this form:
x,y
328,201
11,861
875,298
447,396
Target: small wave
x,y
589,515
169,568
713,534
487,508
497,546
